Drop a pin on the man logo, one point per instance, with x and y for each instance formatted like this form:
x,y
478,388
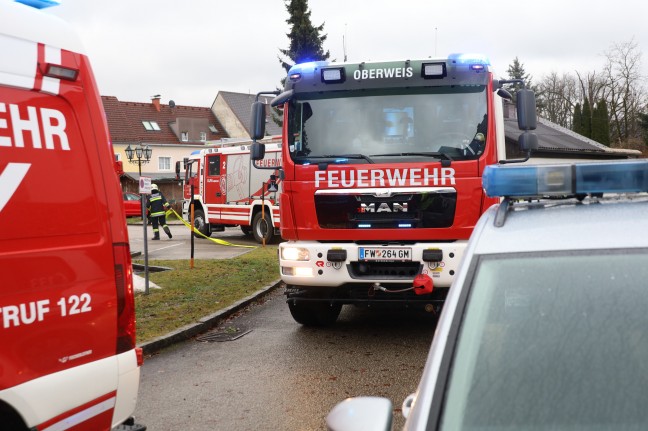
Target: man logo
x,y
391,207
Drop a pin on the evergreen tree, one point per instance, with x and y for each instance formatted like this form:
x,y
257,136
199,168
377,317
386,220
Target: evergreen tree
x,y
643,125
305,39
516,71
601,123
306,42
577,122
586,119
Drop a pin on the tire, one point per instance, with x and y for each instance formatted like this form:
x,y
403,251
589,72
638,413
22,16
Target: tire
x,y
262,228
201,224
247,230
315,313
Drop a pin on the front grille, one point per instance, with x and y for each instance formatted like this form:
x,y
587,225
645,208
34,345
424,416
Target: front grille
x,y
404,210
384,270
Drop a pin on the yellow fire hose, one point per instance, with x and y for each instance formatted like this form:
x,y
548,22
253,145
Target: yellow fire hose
x,y
197,232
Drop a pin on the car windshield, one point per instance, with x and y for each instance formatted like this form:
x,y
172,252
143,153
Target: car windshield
x,y
373,126
553,342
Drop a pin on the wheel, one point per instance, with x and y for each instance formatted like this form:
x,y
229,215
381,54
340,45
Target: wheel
x,y
262,228
247,230
201,224
314,313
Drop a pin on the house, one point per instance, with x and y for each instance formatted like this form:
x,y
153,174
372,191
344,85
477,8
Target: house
x,y
171,131
234,112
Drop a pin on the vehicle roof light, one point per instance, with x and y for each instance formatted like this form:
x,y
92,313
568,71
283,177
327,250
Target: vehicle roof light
x,y
567,179
40,4
60,72
333,75
433,70
471,59
295,76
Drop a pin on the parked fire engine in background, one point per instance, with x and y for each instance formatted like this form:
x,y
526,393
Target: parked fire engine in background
x,y
228,192
67,315
381,171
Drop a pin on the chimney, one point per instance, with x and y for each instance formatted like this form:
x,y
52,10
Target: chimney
x,y
156,101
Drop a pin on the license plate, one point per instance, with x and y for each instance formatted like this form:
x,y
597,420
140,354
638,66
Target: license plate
x,y
385,253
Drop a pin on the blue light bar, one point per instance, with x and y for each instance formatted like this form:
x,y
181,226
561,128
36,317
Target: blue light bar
x,y
40,4
535,181
470,59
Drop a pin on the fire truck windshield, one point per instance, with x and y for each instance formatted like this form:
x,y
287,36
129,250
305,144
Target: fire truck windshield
x,y
382,126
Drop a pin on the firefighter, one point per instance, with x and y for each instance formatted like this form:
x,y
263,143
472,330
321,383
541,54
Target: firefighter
x,y
157,207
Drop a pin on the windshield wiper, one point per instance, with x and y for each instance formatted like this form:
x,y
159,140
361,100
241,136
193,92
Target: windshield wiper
x,y
337,156
422,153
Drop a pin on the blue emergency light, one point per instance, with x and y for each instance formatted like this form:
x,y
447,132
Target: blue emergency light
x,y
529,181
40,4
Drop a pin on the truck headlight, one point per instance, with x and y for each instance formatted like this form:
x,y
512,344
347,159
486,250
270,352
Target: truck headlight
x,y
295,253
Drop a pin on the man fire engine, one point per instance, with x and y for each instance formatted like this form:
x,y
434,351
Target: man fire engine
x,y
381,171
227,191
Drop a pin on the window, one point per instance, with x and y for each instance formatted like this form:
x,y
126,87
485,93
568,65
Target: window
x,y
570,323
214,166
151,125
184,136
117,157
203,136
164,163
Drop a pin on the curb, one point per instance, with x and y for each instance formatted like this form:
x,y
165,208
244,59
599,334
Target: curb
x,y
204,324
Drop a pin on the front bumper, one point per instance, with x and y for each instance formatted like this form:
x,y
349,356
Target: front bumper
x,y
338,264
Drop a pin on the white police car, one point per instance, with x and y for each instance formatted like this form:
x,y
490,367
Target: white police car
x,y
546,325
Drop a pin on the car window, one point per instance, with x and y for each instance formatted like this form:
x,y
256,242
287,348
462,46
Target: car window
x,y
553,341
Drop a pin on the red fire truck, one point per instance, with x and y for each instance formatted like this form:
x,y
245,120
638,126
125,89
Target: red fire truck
x,y
68,359
381,171
228,191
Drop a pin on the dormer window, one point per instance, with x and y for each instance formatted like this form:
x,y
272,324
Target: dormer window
x,y
184,136
203,136
151,125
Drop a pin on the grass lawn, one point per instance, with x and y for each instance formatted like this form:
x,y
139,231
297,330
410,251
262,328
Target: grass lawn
x,y
188,294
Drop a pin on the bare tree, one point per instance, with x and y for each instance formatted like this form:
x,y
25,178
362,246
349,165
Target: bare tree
x,y
624,91
560,95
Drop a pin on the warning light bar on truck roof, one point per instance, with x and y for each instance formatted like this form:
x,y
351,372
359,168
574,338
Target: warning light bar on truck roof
x,y
40,4
566,180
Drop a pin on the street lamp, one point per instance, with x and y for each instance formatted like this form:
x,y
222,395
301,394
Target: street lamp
x,y
140,155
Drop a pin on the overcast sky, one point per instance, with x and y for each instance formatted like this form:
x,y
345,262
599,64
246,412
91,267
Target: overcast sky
x,y
189,50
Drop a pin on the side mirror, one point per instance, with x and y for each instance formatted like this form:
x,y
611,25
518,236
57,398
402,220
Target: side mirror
x,y
526,110
528,141
257,151
272,184
257,122
361,413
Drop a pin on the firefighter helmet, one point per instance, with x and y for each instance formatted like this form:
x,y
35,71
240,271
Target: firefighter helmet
x,y
154,187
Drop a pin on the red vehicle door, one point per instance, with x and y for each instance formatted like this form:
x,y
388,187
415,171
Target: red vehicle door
x,y
215,184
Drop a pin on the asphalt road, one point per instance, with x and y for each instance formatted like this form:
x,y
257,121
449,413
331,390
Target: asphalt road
x,y
280,375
